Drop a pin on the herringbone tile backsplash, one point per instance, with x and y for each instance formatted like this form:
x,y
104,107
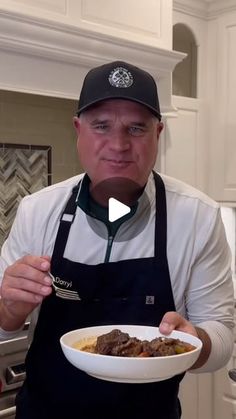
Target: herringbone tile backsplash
x,y
24,169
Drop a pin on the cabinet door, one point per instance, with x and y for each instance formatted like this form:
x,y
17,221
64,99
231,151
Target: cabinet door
x,y
182,147
225,389
222,95
209,396
149,25
196,396
224,396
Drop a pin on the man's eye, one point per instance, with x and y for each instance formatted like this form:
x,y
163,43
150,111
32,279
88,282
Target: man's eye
x,y
101,127
136,130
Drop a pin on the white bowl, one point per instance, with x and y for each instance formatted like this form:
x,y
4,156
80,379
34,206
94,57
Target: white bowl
x,y
126,369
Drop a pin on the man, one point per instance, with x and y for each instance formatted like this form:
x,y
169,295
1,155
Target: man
x,y
171,247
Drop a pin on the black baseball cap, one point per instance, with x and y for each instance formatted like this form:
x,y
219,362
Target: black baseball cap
x,y
119,80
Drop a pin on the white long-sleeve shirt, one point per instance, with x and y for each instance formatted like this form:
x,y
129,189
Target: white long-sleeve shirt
x,y
198,255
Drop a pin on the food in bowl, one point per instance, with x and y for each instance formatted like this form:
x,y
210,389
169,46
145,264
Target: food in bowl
x,y
124,369
118,343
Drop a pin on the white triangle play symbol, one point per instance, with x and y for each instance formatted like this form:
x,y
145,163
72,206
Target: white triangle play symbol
x,y
116,209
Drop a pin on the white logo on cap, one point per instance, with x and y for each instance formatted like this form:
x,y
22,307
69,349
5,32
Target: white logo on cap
x,y
120,77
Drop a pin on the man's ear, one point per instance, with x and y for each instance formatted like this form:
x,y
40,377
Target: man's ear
x,y
76,123
160,127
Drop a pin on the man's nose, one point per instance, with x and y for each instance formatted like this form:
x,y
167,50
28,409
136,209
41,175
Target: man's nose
x,y
119,141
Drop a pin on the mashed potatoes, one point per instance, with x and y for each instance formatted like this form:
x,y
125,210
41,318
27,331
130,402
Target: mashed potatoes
x,y
86,344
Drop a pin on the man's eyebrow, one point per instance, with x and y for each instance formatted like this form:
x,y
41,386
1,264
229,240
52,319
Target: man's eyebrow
x,y
139,124
102,120
98,121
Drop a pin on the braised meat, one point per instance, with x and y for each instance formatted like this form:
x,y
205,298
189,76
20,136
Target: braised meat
x,y
133,347
118,343
107,342
160,347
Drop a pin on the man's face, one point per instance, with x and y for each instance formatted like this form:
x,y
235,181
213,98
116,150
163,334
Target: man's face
x,y
118,138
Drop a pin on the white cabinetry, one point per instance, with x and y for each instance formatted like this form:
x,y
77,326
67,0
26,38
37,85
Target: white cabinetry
x,y
183,144
68,37
224,393
199,147
196,396
222,112
128,20
183,148
211,127
211,395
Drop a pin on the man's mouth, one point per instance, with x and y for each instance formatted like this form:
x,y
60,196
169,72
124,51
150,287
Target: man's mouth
x,y
118,162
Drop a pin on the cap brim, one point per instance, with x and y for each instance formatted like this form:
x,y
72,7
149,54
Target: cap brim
x,y
88,105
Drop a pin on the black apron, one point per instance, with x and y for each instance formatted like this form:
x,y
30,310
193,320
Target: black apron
x,y
111,293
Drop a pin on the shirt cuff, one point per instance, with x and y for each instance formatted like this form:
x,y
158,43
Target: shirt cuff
x,y
222,342
9,334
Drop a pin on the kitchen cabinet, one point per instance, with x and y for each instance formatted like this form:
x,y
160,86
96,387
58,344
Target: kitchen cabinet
x,y
198,146
69,37
150,25
212,129
224,395
222,97
196,396
224,389
209,396
182,145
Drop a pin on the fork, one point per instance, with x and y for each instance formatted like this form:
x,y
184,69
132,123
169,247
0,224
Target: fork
x,y
62,293
232,374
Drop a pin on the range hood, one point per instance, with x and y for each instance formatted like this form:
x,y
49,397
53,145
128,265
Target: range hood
x,y
51,58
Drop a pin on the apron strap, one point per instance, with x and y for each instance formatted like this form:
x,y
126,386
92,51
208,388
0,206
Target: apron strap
x,y
160,251
66,220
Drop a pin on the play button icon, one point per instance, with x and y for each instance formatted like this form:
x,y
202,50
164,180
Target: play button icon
x,y
116,209
112,199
